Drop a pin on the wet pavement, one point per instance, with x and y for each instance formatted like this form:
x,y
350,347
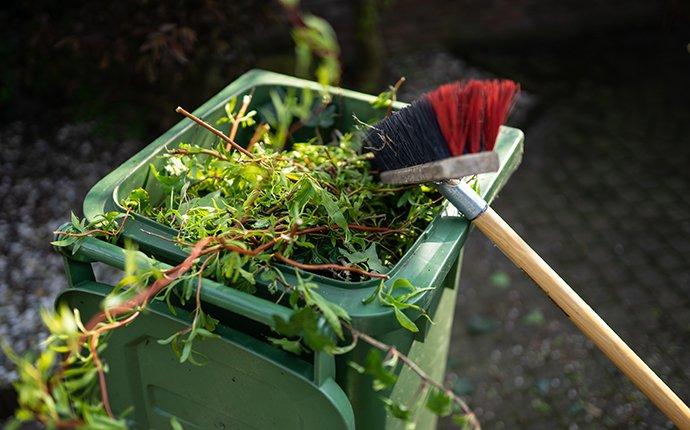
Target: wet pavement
x,y
602,194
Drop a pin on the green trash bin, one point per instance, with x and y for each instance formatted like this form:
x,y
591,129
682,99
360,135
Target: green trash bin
x,y
433,260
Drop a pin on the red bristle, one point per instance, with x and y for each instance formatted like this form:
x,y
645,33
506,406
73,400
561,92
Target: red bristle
x,y
445,101
472,103
469,113
499,100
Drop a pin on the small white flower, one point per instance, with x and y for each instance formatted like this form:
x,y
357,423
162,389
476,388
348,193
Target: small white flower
x,y
175,167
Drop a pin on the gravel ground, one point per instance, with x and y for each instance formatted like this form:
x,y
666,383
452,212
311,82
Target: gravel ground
x,y
44,177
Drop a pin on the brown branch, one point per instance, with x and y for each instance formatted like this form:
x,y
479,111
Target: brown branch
x,y
93,344
68,424
394,95
117,232
215,131
268,245
310,230
259,132
330,266
426,379
84,233
236,120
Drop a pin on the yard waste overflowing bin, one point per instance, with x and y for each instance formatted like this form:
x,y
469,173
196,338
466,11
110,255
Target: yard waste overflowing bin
x,y
246,382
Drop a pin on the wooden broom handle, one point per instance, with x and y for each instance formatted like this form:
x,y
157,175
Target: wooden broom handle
x,y
512,245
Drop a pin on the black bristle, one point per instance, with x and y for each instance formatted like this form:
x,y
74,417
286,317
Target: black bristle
x,y
408,137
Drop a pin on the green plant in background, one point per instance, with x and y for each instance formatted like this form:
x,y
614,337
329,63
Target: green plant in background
x,y
244,213
316,46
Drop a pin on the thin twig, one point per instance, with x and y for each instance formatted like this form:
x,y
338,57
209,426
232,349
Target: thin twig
x,y
329,266
93,345
394,95
310,230
215,131
258,134
426,379
120,229
236,119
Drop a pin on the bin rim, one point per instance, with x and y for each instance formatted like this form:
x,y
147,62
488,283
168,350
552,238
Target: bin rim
x,y
425,263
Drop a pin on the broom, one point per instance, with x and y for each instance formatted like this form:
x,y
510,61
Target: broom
x,y
453,129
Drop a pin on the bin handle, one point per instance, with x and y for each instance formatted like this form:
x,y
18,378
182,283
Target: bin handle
x,y
255,308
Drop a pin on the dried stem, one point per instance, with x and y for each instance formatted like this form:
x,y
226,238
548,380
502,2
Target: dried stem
x,y
330,266
215,131
394,95
92,232
236,120
426,379
310,230
93,345
260,131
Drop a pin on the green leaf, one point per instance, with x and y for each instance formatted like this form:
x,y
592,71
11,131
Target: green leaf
x,y
376,293
67,241
439,402
405,321
206,334
138,199
462,421
373,261
402,284
304,323
168,340
230,106
186,349
334,212
375,367
303,194
293,346
398,410
76,223
331,312
175,424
